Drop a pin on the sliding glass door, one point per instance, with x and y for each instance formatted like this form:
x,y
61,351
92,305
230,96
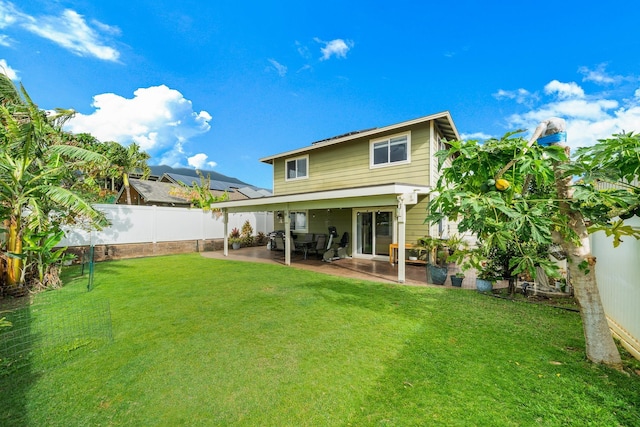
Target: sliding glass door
x,y
374,232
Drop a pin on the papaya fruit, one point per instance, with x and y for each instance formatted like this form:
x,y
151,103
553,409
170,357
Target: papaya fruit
x,y
502,184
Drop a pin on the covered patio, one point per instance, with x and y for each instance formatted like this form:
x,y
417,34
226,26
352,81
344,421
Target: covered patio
x,y
395,197
373,270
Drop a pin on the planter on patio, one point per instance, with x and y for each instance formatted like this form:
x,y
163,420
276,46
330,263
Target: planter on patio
x,y
436,274
456,280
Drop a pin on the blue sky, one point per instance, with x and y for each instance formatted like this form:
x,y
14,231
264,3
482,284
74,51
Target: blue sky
x,y
218,85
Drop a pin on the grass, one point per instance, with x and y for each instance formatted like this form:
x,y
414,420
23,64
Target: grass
x,y
199,341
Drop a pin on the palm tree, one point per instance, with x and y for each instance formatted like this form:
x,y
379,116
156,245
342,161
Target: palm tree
x,y
33,163
135,162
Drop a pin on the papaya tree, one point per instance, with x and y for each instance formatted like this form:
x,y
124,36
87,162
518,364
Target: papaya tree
x,y
34,161
509,191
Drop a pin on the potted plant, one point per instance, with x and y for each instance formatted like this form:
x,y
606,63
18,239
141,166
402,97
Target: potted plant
x,y
456,279
436,259
234,238
488,268
413,254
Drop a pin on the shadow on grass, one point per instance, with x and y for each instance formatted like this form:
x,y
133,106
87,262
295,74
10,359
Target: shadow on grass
x,y
111,269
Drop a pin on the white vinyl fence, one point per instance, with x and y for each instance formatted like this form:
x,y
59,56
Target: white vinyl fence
x,y
618,274
151,224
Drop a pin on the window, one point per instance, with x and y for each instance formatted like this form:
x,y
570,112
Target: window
x,y
298,221
390,151
297,168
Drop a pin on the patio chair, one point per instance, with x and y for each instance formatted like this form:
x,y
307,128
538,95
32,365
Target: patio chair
x,y
320,246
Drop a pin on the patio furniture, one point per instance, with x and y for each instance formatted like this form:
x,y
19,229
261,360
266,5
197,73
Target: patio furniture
x,y
306,244
320,246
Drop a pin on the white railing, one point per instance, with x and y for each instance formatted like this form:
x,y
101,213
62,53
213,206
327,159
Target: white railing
x,y
151,224
618,274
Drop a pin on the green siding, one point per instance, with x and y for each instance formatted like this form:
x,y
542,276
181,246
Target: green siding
x,y
415,225
346,165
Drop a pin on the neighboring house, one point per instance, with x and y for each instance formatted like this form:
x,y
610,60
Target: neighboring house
x,y
157,189
373,184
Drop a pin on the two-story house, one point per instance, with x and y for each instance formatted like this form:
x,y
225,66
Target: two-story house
x,y
373,184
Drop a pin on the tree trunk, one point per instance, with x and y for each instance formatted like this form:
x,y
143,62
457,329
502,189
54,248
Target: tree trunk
x,y
127,189
600,347
14,246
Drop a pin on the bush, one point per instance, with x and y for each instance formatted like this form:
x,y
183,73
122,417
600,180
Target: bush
x,y
247,234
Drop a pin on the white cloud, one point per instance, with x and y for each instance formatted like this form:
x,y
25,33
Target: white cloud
x,y
521,96
475,136
564,90
69,30
8,71
5,40
303,50
280,69
599,75
588,117
338,48
158,118
199,161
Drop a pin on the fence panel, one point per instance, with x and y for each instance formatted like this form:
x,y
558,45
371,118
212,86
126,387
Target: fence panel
x,y
142,224
618,274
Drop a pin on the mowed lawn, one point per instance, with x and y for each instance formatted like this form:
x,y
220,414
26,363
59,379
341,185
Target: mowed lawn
x,y
199,341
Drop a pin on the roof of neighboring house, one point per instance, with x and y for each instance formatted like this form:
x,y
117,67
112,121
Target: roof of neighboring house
x,y
155,192
160,192
443,121
217,181
248,191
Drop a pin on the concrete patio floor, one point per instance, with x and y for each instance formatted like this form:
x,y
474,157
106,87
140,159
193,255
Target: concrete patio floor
x,y
377,271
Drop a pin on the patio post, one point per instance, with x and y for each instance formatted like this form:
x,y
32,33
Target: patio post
x,y
401,214
225,231
287,237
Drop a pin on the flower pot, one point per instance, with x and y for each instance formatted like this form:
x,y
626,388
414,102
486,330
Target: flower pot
x,y
235,245
436,274
456,281
483,285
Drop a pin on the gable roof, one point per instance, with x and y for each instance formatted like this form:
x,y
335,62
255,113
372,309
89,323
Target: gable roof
x,y
160,192
443,121
155,192
217,183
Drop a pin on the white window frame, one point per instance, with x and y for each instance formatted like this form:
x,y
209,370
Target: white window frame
x,y
292,220
295,159
387,139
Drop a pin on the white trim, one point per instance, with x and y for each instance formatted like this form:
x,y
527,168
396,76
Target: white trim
x,y
295,159
374,195
388,139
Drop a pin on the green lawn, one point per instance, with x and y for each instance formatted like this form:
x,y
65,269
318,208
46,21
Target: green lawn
x,y
198,341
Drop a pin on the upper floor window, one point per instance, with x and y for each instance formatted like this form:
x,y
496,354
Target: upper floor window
x,y
297,168
390,150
